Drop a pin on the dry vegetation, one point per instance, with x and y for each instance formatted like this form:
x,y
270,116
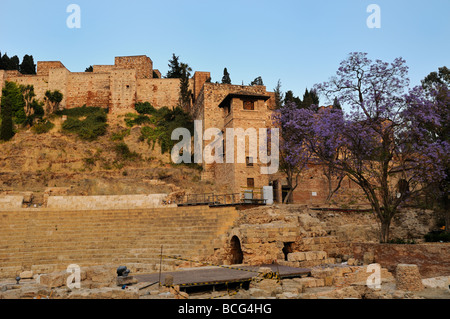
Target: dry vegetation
x,y
116,163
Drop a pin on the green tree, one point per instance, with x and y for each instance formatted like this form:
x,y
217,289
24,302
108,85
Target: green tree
x,y
52,100
5,61
175,69
290,98
185,92
257,81
310,98
14,63
337,104
28,97
279,95
11,100
10,64
27,66
226,77
89,69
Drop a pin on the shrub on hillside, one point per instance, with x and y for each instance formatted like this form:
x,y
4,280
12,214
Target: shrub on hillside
x,y
91,127
145,108
81,111
133,119
437,236
161,122
43,126
124,153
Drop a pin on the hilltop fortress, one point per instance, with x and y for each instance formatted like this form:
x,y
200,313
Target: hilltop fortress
x,y
133,79
117,86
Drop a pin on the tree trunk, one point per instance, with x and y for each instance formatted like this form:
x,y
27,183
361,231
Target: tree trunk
x,y
289,199
384,231
446,208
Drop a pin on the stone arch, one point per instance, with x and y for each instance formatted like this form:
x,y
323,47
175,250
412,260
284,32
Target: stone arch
x,y
237,256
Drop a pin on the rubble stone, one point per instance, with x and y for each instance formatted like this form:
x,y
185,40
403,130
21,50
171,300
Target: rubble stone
x,y
408,278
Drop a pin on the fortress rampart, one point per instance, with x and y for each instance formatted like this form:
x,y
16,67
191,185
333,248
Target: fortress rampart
x,y
117,87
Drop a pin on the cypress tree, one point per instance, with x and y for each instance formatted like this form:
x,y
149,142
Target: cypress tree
x,y
226,77
27,66
175,69
7,104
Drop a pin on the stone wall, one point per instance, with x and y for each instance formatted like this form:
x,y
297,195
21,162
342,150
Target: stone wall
x,y
2,81
106,201
159,92
9,202
39,82
44,67
87,88
433,260
200,78
123,90
271,234
117,86
141,63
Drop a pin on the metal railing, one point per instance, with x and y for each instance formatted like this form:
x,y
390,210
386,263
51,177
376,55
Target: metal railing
x,y
211,199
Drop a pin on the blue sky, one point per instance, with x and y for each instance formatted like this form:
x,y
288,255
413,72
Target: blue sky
x,y
299,42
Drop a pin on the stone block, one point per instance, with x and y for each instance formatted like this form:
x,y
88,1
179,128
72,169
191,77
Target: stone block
x,y
368,258
129,280
307,282
297,256
322,273
442,282
54,280
104,293
407,277
27,274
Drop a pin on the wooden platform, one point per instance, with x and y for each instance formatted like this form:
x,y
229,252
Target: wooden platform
x,y
205,276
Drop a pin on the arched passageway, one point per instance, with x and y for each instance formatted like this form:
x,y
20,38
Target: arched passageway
x,y
237,256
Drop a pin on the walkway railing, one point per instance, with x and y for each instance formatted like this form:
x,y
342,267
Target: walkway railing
x,y
211,199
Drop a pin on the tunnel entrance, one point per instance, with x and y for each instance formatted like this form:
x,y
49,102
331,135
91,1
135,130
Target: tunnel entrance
x,y
237,256
287,249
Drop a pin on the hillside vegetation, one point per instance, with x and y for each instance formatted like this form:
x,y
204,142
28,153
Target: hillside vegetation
x,y
88,152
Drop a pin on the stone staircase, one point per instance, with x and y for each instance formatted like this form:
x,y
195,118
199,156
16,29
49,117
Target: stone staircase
x,y
50,240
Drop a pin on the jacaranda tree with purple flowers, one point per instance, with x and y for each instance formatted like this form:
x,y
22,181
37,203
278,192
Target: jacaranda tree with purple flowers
x,y
429,115
377,144
294,153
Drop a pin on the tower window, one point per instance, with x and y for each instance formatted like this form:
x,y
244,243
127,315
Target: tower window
x,y
249,105
249,161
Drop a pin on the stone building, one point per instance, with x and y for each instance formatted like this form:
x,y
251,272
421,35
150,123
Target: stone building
x,y
117,87
132,79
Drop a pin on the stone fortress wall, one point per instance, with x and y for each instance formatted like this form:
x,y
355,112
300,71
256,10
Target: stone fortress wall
x,y
117,86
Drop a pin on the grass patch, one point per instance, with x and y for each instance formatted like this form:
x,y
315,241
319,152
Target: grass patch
x,y
119,136
93,125
123,152
42,127
81,111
